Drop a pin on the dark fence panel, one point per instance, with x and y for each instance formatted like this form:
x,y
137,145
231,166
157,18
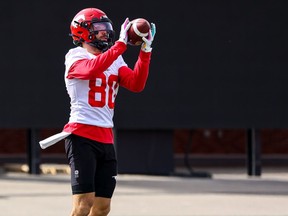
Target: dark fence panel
x,y
215,64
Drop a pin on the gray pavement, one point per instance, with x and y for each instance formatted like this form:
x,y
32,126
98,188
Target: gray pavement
x,y
230,192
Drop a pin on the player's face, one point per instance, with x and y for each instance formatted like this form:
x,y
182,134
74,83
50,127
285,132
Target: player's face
x,y
102,35
102,29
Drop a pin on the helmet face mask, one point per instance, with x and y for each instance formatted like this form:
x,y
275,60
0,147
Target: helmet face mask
x,y
87,24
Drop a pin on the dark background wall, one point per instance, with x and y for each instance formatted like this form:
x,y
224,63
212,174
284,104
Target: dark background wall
x,y
215,64
219,65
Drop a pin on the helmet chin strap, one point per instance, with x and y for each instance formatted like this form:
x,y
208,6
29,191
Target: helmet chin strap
x,y
101,45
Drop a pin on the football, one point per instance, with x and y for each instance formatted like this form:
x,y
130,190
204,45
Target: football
x,y
140,28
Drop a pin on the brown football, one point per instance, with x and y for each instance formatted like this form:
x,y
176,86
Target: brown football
x,y
139,28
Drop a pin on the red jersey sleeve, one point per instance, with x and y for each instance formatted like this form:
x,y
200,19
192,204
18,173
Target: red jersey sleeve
x,y
90,68
135,80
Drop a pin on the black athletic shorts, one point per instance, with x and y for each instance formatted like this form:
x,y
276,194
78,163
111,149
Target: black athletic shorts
x,y
93,166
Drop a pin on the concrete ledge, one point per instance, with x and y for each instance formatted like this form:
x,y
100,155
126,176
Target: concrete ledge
x,y
52,169
227,160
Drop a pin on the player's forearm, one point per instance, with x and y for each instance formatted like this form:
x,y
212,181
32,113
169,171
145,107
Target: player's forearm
x,y
141,70
135,80
91,68
104,60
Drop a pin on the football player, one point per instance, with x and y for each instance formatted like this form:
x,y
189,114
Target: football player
x,y
94,71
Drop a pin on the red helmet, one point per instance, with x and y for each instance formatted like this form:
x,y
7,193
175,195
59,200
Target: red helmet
x,y
86,25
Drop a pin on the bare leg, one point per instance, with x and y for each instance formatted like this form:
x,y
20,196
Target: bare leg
x,y
82,204
89,205
101,207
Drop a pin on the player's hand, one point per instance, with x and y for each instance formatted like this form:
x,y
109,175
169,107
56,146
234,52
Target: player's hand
x,y
124,28
146,46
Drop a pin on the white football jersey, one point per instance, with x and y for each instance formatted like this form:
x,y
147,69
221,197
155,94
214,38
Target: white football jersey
x,y
92,101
